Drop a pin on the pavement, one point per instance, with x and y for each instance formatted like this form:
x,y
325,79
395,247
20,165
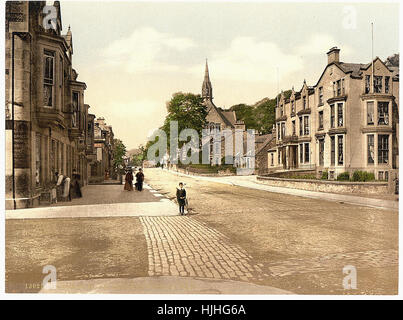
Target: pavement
x,y
252,182
96,203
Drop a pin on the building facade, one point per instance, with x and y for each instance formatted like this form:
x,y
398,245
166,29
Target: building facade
x,y
102,166
347,121
219,120
46,118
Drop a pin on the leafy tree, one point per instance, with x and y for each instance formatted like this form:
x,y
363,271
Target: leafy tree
x,y
119,151
138,158
190,112
393,61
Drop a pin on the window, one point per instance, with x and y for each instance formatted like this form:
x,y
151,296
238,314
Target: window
x,y
367,84
278,132
301,153
320,95
282,130
320,117
340,159
292,106
48,78
332,151
371,150
343,90
380,175
272,159
334,89
383,148
377,84
300,126
38,158
76,114
332,115
383,113
338,87
306,152
281,110
279,156
339,114
370,112
293,127
387,84
306,125
304,102
321,151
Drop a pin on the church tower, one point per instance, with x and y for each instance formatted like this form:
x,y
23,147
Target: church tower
x,y
207,89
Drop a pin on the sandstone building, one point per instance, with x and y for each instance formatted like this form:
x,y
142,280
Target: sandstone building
x,y
347,121
47,121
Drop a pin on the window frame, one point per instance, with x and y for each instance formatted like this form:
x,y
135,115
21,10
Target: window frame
x,y
382,150
49,81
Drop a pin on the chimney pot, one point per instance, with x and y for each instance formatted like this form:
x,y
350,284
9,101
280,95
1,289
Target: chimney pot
x,y
333,55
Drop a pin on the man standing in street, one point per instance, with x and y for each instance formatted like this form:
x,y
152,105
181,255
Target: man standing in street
x,y
181,197
139,180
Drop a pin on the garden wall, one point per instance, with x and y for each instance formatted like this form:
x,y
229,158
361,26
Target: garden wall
x,y
327,186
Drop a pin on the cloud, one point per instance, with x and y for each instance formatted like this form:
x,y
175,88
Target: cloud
x,y
248,59
143,49
320,43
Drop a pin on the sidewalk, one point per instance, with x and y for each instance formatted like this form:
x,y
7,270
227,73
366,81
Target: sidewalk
x,y
251,182
103,201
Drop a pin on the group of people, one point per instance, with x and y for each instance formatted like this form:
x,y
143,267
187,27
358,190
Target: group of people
x,y
67,188
129,180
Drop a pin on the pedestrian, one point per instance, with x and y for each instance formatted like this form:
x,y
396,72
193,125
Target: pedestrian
x,y
76,188
63,187
139,180
129,181
181,197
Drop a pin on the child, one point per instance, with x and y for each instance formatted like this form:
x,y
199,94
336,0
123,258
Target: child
x,y
181,197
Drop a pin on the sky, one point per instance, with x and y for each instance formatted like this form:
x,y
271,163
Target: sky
x,y
134,55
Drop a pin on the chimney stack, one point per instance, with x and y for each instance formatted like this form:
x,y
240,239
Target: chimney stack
x,y
333,55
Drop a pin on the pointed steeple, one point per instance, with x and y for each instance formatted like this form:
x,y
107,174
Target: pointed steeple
x,y
207,89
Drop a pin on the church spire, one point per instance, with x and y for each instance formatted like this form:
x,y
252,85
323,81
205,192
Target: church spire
x,y
207,89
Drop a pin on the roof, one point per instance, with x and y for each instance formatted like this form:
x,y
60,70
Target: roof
x,y
210,105
268,138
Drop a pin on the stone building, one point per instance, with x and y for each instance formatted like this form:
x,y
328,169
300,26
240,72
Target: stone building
x,y
347,121
46,118
220,120
102,167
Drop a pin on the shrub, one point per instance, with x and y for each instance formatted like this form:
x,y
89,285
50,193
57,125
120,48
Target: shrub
x,y
325,175
363,176
344,176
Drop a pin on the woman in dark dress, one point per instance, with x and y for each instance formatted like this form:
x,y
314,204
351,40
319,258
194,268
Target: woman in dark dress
x,y
129,181
76,188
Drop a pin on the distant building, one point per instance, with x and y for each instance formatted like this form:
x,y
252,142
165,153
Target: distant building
x,y
46,118
221,120
347,121
102,167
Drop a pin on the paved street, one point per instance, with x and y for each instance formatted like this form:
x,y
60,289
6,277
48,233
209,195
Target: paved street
x,y
265,242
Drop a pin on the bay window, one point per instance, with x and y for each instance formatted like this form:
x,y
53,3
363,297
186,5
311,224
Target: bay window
x,y
377,84
340,158
370,149
306,125
306,152
370,113
340,114
332,115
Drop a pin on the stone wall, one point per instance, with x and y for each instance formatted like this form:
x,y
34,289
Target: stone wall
x,y
327,186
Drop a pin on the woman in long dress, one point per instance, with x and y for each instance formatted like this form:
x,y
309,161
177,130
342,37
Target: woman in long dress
x,y
129,181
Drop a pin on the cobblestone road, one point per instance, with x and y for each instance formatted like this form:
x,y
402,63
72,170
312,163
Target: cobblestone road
x,y
183,246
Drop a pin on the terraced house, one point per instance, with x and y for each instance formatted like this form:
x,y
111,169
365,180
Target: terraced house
x,y
46,118
347,121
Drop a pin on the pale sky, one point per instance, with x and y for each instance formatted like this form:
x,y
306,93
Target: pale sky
x,y
133,55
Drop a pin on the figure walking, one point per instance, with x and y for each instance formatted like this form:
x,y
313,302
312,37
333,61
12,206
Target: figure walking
x,y
76,184
139,180
181,197
129,181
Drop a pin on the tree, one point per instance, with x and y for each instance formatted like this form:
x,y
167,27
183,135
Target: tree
x,y
190,112
393,61
119,151
138,158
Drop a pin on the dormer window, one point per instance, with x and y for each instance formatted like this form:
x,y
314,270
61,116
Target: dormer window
x,y
304,102
377,84
387,78
292,106
320,95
